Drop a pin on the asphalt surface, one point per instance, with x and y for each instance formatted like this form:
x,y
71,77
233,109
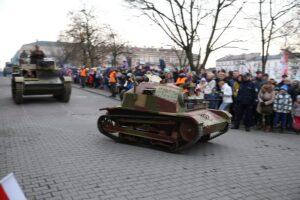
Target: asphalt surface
x,y
56,152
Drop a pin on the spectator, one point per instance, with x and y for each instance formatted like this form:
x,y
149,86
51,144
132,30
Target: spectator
x,y
82,74
202,73
245,100
266,97
181,80
97,77
200,88
281,83
235,90
258,81
226,95
175,74
113,82
210,90
296,114
282,106
295,89
230,79
265,78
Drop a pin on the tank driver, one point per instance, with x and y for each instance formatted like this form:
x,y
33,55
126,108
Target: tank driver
x,y
36,55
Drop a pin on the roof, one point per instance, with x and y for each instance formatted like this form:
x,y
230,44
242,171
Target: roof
x,y
238,57
43,43
255,57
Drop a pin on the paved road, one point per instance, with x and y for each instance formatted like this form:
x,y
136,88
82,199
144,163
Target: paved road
x,y
56,152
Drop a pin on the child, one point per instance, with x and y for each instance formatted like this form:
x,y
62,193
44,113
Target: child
x,y
200,88
296,114
282,106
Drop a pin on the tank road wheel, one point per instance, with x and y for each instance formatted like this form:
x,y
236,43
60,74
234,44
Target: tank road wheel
x,y
104,124
18,93
190,134
188,131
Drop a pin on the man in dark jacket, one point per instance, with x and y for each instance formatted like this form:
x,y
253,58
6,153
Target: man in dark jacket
x,y
245,102
36,55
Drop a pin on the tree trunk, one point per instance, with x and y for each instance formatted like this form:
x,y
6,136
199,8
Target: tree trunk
x,y
190,57
114,61
203,64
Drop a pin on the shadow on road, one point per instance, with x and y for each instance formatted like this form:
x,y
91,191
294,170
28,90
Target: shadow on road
x,y
39,99
199,149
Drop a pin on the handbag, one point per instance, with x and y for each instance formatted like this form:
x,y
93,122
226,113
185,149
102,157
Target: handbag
x,y
266,109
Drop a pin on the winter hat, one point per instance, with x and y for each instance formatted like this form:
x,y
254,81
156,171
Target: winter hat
x,y
284,87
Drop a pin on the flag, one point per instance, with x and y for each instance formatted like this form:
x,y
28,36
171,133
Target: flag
x,y
284,61
10,189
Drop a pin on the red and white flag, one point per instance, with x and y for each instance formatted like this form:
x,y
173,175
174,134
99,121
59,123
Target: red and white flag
x,y
10,189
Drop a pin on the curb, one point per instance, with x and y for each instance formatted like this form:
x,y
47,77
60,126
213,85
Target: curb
x,y
94,91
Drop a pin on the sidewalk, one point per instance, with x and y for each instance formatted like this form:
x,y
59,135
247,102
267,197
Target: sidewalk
x,y
101,92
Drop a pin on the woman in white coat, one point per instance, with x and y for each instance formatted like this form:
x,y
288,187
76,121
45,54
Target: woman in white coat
x,y
226,96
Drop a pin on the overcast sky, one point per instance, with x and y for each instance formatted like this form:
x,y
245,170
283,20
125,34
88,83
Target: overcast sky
x,y
25,21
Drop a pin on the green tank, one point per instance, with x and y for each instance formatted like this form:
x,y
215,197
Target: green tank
x,y
42,78
159,115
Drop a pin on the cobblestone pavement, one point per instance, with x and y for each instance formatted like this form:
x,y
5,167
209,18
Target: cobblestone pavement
x,y
56,152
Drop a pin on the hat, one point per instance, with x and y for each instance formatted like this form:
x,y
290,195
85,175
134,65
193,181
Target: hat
x,y
203,79
284,87
245,74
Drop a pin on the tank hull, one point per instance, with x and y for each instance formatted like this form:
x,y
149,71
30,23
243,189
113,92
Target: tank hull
x,y
40,88
60,88
173,131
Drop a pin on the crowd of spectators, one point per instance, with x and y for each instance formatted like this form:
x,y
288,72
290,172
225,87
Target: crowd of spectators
x,y
259,101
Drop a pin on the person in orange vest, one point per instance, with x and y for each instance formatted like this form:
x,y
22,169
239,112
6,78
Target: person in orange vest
x,y
181,80
112,82
82,74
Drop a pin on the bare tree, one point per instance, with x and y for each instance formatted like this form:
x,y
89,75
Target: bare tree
x,y
71,52
182,21
180,54
291,32
270,21
85,32
116,46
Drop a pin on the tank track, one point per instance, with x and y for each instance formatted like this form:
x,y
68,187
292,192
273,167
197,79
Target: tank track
x,y
157,130
65,93
18,93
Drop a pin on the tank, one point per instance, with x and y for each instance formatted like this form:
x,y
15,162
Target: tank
x,y
42,78
158,114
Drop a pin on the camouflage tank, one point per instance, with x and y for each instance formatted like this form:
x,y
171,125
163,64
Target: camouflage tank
x,y
157,114
42,78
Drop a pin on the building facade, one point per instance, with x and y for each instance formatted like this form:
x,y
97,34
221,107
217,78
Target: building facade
x,y
283,63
